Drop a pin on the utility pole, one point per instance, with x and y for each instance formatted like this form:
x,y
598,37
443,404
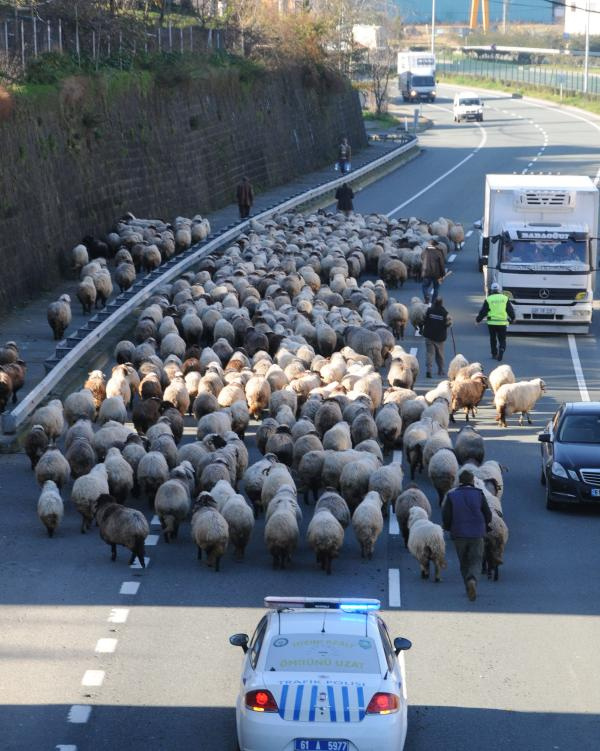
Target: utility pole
x,y
433,27
504,14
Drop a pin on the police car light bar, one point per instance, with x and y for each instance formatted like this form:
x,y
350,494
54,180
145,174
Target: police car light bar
x,y
348,604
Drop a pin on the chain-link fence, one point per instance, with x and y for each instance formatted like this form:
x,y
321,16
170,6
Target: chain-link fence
x,y
566,81
24,38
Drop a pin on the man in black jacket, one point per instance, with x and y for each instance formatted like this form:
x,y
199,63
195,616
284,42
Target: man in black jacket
x,y
467,516
435,331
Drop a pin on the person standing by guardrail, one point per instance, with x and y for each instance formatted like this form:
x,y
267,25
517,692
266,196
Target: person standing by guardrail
x,y
498,311
245,197
344,156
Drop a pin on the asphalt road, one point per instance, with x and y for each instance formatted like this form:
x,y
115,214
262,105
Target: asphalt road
x,y
517,669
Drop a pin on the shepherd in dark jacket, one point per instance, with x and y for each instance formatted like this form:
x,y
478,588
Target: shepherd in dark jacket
x,y
245,197
467,516
344,195
435,331
432,271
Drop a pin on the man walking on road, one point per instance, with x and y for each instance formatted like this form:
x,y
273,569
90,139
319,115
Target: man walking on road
x,y
344,156
344,195
466,515
433,270
498,311
245,197
435,331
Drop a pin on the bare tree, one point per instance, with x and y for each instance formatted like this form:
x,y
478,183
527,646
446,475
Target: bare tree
x,y
381,70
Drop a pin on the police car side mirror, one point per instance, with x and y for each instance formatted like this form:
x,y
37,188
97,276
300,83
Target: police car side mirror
x,y
401,644
477,225
239,640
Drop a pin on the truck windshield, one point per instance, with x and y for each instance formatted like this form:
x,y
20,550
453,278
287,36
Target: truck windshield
x,y
422,81
546,252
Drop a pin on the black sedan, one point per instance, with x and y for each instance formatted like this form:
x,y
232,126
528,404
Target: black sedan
x,y
571,455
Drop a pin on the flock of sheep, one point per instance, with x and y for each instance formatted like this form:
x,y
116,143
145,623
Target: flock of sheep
x,y
279,328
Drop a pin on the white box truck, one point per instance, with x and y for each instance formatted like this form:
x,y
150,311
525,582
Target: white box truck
x,y
539,241
416,76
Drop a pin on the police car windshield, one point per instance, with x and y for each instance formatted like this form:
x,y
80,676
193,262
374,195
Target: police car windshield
x,y
330,653
545,252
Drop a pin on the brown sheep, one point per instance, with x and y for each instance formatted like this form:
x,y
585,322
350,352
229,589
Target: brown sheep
x,y
96,383
467,394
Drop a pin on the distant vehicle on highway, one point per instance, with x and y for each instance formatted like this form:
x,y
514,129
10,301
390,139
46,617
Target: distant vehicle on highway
x,y
321,674
467,106
416,76
570,447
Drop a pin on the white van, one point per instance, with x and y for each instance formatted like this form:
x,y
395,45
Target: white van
x,y
467,106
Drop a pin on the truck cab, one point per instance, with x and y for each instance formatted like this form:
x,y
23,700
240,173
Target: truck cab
x,y
539,242
418,86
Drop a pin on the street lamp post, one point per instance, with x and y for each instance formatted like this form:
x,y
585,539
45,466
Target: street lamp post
x,y
587,47
433,27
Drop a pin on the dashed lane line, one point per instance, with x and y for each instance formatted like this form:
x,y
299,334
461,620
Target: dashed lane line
x,y
151,540
452,258
79,714
118,615
106,646
93,678
155,521
137,564
129,588
65,747
413,352
394,597
469,233
585,396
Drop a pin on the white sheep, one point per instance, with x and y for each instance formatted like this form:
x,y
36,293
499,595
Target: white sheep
x,y
118,384
152,471
52,466
456,363
59,316
240,519
387,481
172,505
334,503
426,542
79,405
210,531
120,475
501,375
112,409
51,418
443,470
411,496
416,313
367,523
50,508
86,294
325,536
517,397
281,533
469,446
86,491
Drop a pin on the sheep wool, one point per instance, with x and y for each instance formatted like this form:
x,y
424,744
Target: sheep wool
x,y
325,536
426,542
210,531
520,397
367,523
50,509
119,525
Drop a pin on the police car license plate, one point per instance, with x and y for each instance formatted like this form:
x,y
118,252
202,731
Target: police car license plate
x,y
314,744
543,310
595,493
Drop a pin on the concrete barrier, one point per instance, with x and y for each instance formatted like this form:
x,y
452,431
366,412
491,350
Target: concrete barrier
x,y
11,421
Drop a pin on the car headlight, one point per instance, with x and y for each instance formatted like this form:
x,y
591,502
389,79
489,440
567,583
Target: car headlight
x,y
413,93
433,93
559,471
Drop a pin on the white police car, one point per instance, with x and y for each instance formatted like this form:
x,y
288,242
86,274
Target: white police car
x,y
321,674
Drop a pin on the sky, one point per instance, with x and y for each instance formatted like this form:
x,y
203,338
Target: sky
x,y
457,11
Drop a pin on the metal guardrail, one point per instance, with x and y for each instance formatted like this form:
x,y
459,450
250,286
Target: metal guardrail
x,y
102,323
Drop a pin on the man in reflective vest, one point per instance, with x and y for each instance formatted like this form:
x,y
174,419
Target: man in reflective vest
x,y
498,311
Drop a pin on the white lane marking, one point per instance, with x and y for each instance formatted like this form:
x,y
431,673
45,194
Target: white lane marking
x,y
413,352
394,597
106,646
66,747
137,564
469,233
151,540
155,521
394,527
575,117
118,615
585,397
452,258
540,152
129,588
93,678
449,172
79,713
